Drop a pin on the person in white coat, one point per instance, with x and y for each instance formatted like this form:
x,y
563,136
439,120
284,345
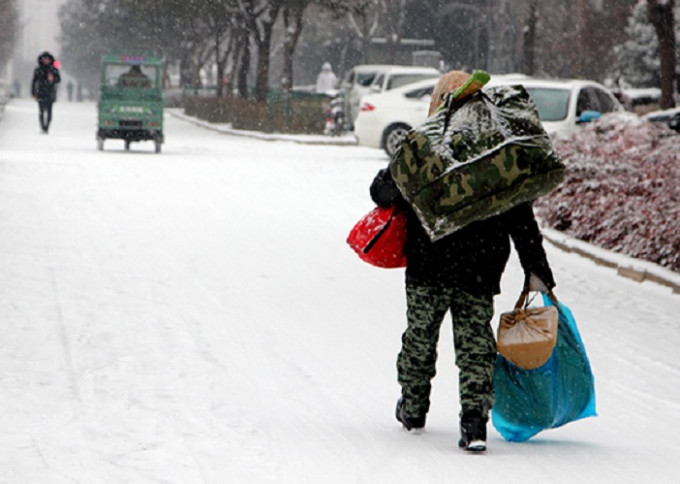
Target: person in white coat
x,y
326,80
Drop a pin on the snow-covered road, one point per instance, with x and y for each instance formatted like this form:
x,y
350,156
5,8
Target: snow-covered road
x,y
196,317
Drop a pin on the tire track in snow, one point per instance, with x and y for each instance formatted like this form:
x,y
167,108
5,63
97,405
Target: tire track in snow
x,y
63,337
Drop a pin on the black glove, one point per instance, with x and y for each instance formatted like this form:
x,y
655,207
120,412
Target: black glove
x,y
384,191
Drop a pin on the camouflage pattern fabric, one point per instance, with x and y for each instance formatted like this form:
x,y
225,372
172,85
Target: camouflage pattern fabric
x,y
474,343
476,160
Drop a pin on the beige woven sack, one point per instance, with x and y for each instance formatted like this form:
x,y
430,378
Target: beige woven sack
x,y
527,336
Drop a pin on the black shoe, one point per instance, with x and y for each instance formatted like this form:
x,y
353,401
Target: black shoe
x,y
409,422
473,432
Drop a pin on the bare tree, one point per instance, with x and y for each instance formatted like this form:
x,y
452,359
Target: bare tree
x,y
661,16
529,37
219,19
572,39
293,13
394,20
260,17
243,56
364,19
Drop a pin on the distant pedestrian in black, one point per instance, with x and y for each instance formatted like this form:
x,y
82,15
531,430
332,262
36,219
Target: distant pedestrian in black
x,y
69,90
43,87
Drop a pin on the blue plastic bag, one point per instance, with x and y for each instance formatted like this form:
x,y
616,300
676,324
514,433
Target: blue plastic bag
x,y
559,392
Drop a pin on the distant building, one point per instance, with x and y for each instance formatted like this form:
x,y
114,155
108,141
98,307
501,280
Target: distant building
x,y
402,53
427,58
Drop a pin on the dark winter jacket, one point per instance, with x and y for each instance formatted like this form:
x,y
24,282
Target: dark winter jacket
x,y
473,258
45,78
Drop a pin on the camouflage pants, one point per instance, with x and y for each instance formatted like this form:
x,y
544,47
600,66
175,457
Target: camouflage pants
x,y
474,342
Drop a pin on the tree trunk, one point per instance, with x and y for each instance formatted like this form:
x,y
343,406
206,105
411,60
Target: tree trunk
x,y
530,39
243,68
264,51
260,25
224,78
185,71
292,21
661,16
394,15
262,70
368,16
219,91
236,57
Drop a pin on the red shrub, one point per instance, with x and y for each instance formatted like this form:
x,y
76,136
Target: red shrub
x,y
621,190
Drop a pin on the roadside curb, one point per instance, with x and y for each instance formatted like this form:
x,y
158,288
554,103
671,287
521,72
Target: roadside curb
x,y
626,266
346,140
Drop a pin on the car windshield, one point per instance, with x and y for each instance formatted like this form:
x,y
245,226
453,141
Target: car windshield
x,y
398,80
125,75
552,103
365,78
418,93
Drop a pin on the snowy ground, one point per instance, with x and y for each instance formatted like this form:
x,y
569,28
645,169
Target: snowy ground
x,y
196,317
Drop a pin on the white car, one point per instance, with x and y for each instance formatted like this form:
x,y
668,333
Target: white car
x,y
385,118
562,105
670,117
373,78
398,76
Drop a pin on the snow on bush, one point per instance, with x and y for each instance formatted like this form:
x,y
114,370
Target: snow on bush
x,y
621,189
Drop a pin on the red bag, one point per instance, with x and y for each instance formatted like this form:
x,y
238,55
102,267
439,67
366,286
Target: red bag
x,y
379,238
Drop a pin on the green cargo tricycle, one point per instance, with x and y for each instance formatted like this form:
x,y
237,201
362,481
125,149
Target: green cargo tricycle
x,y
130,100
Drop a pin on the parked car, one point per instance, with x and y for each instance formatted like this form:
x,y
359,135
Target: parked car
x,y
562,105
385,118
356,84
397,76
670,117
373,78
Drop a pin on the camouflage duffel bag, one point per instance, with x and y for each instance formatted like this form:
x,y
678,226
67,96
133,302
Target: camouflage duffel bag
x,y
476,160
